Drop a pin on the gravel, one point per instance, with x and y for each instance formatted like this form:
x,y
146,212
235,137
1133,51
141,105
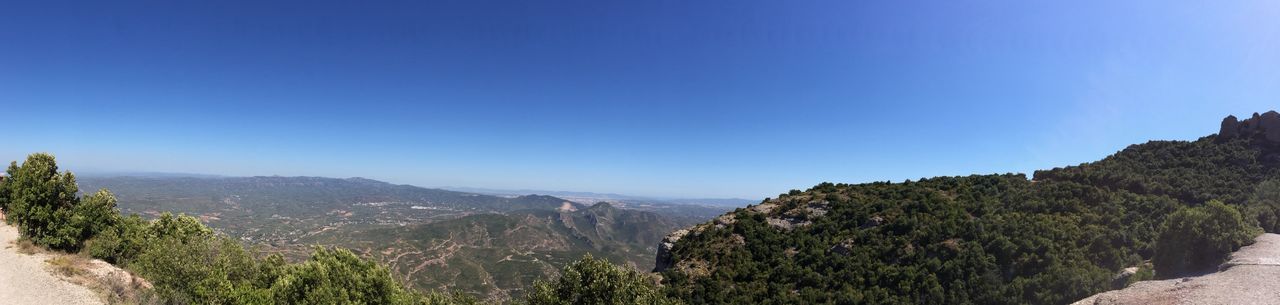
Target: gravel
x,y
1251,277
26,279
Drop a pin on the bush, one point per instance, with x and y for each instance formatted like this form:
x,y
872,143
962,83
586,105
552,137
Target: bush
x,y
121,243
1195,240
187,263
1264,204
334,276
182,228
94,214
4,191
596,281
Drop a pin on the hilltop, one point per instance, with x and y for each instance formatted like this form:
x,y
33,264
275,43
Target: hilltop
x,y
1058,237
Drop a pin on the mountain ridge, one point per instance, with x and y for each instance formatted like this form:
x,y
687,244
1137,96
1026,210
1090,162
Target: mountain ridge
x,y
987,239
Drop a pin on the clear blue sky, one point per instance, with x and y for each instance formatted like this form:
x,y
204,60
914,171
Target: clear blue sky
x,y
665,98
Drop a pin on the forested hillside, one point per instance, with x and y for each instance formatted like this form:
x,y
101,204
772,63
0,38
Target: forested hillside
x,y
991,239
498,256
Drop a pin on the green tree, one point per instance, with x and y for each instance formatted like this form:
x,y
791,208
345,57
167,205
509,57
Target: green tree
x,y
337,276
183,228
1265,205
1198,239
596,281
41,202
188,263
94,214
121,243
4,190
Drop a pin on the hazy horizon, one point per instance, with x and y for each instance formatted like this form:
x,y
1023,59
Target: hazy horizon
x,y
743,99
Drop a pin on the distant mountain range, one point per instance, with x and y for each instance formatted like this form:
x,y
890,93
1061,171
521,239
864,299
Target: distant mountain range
x,y
488,245
607,197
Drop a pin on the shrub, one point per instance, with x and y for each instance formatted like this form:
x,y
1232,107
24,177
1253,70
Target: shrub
x,y
1264,204
211,270
183,228
337,276
121,243
94,214
1194,240
596,281
4,191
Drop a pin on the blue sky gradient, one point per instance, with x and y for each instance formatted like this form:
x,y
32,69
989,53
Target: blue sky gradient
x,y
662,98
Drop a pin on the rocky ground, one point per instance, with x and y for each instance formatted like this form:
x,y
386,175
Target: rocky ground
x,y
1250,277
28,278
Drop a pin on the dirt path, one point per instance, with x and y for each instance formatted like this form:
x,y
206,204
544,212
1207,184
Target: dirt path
x,y
25,279
1250,277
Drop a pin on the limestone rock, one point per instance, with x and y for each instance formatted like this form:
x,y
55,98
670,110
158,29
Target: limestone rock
x,y
664,260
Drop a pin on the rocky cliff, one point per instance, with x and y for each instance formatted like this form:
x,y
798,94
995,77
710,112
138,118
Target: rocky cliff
x,y
1265,126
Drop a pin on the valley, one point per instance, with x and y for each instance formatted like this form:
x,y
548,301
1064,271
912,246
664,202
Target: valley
x,y
489,246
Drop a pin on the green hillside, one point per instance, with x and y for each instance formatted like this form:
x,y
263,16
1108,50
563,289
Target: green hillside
x,y
498,256
986,239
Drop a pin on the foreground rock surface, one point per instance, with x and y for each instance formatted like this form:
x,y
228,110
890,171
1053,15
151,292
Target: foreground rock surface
x,y
1250,277
25,279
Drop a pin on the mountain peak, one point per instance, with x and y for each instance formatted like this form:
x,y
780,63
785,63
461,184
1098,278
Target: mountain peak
x,y
1266,125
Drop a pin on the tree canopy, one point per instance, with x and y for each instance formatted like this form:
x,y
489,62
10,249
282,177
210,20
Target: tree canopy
x,y
985,239
596,281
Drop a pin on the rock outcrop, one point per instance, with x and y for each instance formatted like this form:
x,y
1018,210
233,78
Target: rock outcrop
x,y
785,213
1264,126
664,260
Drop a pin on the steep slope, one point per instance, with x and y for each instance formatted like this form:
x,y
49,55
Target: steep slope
x,y
994,239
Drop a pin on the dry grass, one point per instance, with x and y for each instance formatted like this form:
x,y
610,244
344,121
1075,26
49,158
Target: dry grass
x,y
118,291
113,286
25,246
70,266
